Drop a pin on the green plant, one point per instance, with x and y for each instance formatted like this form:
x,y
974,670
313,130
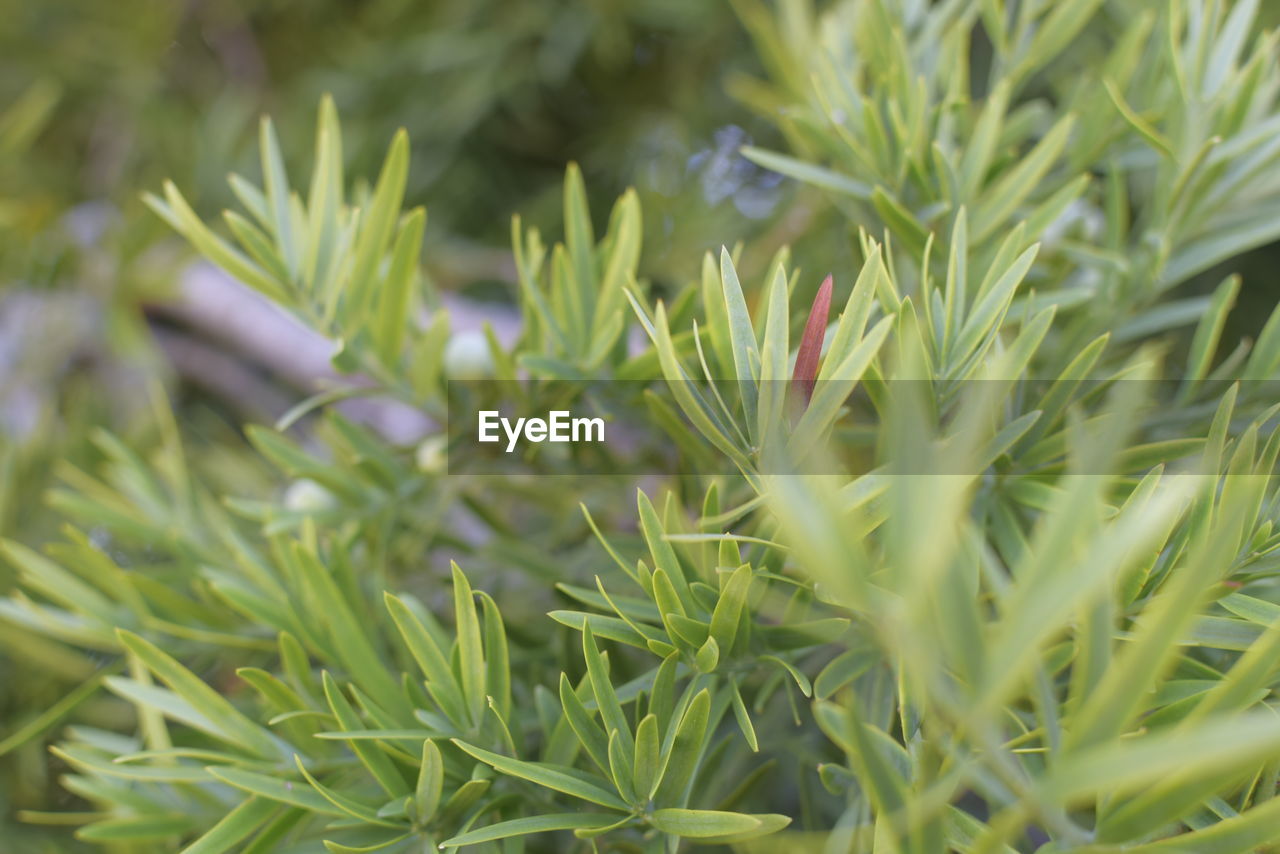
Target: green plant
x,y
1024,599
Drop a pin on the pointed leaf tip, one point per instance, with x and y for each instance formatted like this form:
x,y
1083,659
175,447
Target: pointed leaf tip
x,y
815,331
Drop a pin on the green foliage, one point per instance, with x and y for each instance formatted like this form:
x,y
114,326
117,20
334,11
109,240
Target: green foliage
x,y
1028,603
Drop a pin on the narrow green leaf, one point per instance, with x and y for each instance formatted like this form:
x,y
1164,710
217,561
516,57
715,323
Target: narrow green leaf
x,y
1209,331
496,657
94,762
773,365
709,824
432,660
685,753
234,726
1054,33
834,390
377,762
606,699
742,716
347,805
678,380
664,556
904,224
349,635
426,795
1242,834
277,185
853,319
1238,741
1002,200
257,244
1137,122
621,767
982,142
557,777
802,681
324,200
989,312
662,695
462,800
708,656
395,300
648,770
589,734
807,173
275,789
610,628
580,241
626,230
41,574
533,824
377,223
882,780
742,337
234,827
728,612
385,839
50,716
139,828
470,647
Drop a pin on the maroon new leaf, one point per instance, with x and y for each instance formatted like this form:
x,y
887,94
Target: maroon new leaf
x,y
815,330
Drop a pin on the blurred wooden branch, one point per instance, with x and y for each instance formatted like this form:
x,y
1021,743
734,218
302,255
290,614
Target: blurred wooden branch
x,y
216,332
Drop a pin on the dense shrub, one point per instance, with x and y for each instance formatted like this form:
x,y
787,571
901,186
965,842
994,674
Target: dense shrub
x,y
982,560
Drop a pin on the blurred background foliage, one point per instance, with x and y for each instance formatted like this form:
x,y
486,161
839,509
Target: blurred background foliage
x,y
103,101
